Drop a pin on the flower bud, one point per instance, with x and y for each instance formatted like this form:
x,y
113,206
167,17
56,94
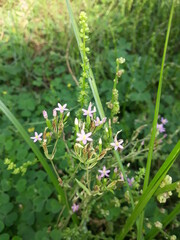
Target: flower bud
x,y
45,115
119,73
54,113
76,121
173,237
158,224
121,60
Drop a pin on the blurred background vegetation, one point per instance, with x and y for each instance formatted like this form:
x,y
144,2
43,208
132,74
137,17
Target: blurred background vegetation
x,y
40,66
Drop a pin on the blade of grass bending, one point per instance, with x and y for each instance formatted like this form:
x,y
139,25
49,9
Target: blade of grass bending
x,y
153,135
149,192
38,154
94,90
165,222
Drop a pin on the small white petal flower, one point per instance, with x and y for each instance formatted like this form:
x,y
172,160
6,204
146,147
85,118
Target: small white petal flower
x,y
37,137
89,112
104,172
61,108
82,137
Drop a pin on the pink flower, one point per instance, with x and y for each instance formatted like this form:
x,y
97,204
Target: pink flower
x,y
54,113
84,137
61,108
99,177
160,128
121,176
117,144
116,169
104,172
164,120
45,115
89,112
130,181
99,122
37,137
75,207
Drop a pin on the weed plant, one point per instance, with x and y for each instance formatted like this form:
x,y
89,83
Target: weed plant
x,y
92,187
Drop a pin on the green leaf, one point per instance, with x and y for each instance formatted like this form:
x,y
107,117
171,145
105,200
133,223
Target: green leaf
x,y
6,208
6,185
38,204
10,219
21,185
1,226
83,187
4,198
53,206
55,234
4,236
17,238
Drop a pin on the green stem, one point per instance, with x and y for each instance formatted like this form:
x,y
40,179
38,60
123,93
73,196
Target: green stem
x,y
151,145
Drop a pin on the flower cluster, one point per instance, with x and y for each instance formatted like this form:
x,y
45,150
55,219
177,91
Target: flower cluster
x,y
164,196
21,169
52,126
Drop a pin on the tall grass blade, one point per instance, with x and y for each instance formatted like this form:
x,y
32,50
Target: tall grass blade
x,y
153,135
149,192
165,222
38,154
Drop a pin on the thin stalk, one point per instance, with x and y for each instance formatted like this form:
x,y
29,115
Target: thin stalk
x,y
153,135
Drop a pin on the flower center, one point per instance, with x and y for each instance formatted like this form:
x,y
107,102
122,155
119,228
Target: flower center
x,y
84,137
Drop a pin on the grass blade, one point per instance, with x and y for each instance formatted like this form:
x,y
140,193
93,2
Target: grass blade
x,y
165,222
151,145
149,192
38,154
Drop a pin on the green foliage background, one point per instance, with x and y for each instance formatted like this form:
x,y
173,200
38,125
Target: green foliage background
x,y
37,47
